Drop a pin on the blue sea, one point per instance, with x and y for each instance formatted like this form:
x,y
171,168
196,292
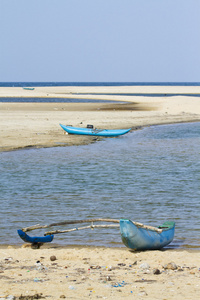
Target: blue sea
x,y
36,84
149,175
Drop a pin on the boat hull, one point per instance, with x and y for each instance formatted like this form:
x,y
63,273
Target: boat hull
x,y
95,132
139,239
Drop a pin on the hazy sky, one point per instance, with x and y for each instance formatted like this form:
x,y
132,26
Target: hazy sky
x,y
100,40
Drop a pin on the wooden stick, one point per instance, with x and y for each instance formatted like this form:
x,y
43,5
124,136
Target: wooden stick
x,y
80,228
38,226
147,227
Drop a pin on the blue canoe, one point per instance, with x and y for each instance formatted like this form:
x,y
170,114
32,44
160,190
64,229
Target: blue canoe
x,y
138,237
95,132
37,239
28,88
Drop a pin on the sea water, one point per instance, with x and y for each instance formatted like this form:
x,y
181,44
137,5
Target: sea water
x,y
149,176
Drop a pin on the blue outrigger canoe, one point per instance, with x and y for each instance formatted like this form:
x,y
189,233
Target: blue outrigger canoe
x,y
139,237
94,131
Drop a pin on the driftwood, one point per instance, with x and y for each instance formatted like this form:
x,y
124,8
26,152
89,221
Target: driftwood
x,y
38,226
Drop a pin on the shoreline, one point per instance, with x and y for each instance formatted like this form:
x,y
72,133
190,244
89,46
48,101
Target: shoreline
x,y
84,141
54,245
92,247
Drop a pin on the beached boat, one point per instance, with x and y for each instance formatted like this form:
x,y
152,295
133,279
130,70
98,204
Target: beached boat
x,y
94,132
28,88
134,235
137,236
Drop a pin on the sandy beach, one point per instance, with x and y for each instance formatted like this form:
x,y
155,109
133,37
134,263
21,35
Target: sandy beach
x,y
37,124
77,272
98,273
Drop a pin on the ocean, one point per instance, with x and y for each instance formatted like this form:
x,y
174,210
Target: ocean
x,y
37,84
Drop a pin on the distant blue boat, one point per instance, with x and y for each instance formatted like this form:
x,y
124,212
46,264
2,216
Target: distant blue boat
x,y
28,239
28,88
94,132
139,237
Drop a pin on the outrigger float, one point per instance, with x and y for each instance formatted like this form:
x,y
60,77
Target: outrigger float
x,y
136,236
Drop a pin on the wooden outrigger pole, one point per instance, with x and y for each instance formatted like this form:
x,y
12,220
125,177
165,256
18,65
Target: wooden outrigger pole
x,y
80,228
38,226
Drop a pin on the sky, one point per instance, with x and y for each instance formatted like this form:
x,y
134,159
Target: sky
x,y
100,40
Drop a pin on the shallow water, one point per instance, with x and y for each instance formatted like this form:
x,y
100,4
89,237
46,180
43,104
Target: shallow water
x,y
51,100
150,176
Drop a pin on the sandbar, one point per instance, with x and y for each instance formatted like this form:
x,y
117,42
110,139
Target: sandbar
x,y
26,125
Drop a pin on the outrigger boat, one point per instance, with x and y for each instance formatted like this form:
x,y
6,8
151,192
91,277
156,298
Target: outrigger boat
x,y
135,236
93,131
